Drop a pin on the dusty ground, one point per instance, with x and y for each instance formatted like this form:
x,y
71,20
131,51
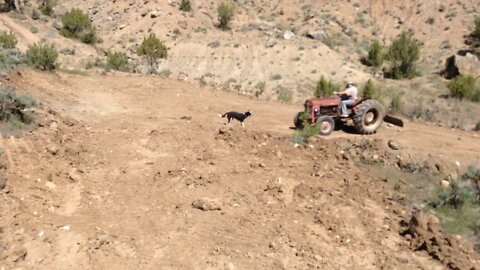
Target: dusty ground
x,y
115,175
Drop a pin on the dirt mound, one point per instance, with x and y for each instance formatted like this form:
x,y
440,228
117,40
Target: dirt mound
x,y
424,233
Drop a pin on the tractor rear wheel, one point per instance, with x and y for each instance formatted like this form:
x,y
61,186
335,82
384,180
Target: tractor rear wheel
x,y
368,117
326,125
298,120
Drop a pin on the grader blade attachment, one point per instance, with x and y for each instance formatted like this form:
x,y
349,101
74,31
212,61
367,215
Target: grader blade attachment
x,y
393,120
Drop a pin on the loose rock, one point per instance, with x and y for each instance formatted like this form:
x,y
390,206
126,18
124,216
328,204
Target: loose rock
x,y
207,204
271,42
155,14
53,149
393,145
74,175
3,182
317,35
288,35
183,24
445,183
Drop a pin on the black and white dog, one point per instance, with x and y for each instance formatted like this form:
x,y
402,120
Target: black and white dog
x,y
236,115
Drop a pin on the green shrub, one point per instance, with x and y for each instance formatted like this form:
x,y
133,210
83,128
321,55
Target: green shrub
x,y
477,126
47,7
403,53
118,61
8,40
455,196
12,107
472,175
276,77
371,90
77,24
152,49
460,192
186,5
35,14
97,62
261,85
375,54
42,56
325,88
165,73
285,94
396,103
331,40
34,29
463,87
11,58
225,14
476,31
302,136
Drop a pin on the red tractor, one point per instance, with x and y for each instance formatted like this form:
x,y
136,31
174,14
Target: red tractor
x,y
367,115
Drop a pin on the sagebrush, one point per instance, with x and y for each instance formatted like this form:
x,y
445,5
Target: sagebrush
x,y
35,14
47,7
118,61
370,90
403,54
302,136
77,24
476,31
225,14
8,40
42,56
284,94
13,107
11,59
464,87
152,49
186,5
375,55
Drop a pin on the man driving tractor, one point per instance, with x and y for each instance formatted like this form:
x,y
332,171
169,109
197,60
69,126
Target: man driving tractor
x,y
349,96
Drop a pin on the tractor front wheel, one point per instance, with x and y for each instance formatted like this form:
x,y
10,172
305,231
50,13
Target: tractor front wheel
x,y
368,116
298,121
326,124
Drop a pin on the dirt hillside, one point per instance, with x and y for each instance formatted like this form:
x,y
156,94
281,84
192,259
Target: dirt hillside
x,y
268,43
134,172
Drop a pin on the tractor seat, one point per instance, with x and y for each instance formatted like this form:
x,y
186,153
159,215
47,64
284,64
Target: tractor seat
x,y
358,101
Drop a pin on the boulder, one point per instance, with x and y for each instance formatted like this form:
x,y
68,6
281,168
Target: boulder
x,y
74,175
183,24
57,25
271,42
455,65
394,145
156,13
317,35
288,35
207,204
214,44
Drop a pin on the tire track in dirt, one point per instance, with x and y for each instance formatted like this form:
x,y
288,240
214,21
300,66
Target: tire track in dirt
x,y
22,32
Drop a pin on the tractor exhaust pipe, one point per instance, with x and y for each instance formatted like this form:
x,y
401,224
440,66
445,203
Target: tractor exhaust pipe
x,y
393,120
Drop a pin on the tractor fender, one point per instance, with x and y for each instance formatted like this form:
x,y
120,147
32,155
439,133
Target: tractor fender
x,y
356,104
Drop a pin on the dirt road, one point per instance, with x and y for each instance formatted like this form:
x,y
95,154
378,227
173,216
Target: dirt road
x,y
109,179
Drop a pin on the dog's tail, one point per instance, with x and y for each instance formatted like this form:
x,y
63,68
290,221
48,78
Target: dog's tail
x,y
222,116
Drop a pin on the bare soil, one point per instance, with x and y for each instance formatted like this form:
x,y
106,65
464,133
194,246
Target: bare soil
x,y
137,172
